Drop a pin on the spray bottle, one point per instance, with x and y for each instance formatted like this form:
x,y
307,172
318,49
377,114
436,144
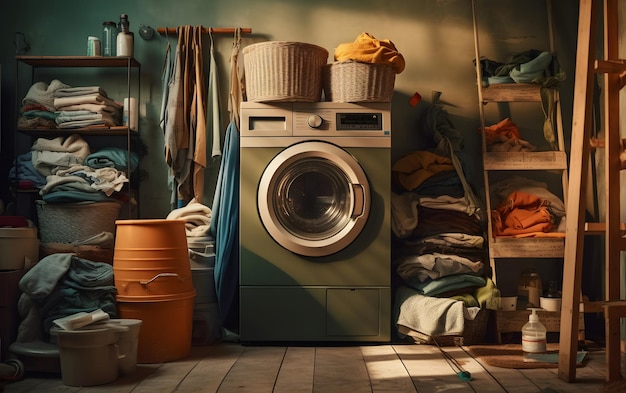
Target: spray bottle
x,y
533,335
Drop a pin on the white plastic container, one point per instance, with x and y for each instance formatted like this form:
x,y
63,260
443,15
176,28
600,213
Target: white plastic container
x,y
19,248
90,355
533,335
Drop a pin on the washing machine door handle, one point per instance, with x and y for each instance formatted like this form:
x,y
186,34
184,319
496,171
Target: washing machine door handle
x,y
359,200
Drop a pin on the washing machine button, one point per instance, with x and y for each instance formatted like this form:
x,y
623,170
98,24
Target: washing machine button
x,y
314,121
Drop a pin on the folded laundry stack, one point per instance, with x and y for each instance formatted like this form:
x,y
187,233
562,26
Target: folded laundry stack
x,y
86,106
57,105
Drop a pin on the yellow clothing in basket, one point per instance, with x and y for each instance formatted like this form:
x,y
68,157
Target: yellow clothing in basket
x,y
367,49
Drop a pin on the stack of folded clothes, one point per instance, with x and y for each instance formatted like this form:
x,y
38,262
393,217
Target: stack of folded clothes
x,y
86,106
57,105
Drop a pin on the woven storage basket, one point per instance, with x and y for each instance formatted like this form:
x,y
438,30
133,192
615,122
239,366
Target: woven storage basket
x,y
352,81
75,222
284,71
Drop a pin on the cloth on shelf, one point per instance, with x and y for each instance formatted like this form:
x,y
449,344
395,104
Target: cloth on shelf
x,y
436,265
505,136
436,221
197,218
50,155
447,286
502,190
429,315
367,49
23,170
403,213
443,183
417,248
42,93
488,296
80,91
449,143
98,99
84,118
414,168
107,180
113,157
522,213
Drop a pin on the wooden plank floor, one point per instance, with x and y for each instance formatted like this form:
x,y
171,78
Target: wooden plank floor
x,y
229,367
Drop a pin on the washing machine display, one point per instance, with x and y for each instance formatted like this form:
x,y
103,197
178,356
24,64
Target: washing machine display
x,y
315,222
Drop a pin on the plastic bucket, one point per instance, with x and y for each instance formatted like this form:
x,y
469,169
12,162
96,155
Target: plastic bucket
x,y
89,356
165,333
151,258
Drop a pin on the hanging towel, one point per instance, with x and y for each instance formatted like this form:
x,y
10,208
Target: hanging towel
x,y
235,97
213,104
167,77
224,228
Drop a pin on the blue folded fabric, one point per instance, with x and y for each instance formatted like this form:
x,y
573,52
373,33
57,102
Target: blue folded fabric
x,y
533,70
112,157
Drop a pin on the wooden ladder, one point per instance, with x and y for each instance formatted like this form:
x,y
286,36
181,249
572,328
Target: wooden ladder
x,y
613,71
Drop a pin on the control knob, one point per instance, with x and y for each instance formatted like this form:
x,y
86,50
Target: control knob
x,y
314,121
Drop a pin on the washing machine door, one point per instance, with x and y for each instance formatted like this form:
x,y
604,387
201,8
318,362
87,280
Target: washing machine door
x,y
314,198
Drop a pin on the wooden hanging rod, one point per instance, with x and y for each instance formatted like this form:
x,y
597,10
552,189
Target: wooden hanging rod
x,y
207,30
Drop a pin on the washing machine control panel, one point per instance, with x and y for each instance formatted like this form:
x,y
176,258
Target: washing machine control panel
x,y
316,119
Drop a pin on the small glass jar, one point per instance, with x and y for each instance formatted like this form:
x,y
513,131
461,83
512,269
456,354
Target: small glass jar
x,y
109,38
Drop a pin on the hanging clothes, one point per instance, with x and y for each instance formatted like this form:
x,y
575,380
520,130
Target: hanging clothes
x,y
167,77
199,124
235,96
185,118
225,229
225,220
213,107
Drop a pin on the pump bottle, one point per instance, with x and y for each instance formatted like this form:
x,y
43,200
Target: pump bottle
x,y
533,335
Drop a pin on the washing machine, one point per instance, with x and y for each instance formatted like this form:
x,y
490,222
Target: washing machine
x,y
315,232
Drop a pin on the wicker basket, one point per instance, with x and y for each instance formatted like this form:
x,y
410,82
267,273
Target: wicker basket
x,y
351,81
284,71
75,222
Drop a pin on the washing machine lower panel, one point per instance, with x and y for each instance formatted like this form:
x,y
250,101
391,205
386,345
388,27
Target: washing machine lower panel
x,y
315,314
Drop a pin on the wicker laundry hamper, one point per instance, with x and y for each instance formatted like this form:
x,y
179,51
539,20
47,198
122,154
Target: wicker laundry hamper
x,y
352,81
284,71
75,222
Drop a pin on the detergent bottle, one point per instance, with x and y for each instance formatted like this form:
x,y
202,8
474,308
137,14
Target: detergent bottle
x,y
533,335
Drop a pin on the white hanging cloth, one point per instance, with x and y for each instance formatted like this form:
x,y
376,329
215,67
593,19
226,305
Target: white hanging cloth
x,y
214,104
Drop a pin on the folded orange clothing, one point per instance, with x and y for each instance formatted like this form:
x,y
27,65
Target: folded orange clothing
x,y
522,213
505,127
367,49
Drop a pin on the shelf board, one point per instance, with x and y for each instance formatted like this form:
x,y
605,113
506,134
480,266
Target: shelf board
x,y
527,247
545,160
100,131
513,321
512,92
78,61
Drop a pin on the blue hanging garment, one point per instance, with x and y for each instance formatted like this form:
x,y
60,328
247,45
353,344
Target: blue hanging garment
x,y
225,228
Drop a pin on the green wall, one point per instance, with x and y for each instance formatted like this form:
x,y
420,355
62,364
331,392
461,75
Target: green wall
x,y
435,37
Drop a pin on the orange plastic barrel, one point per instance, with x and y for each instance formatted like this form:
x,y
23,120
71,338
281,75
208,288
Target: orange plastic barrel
x,y
166,326
153,278
151,258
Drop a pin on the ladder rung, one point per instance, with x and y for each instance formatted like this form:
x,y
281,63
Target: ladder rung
x,y
609,66
599,228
